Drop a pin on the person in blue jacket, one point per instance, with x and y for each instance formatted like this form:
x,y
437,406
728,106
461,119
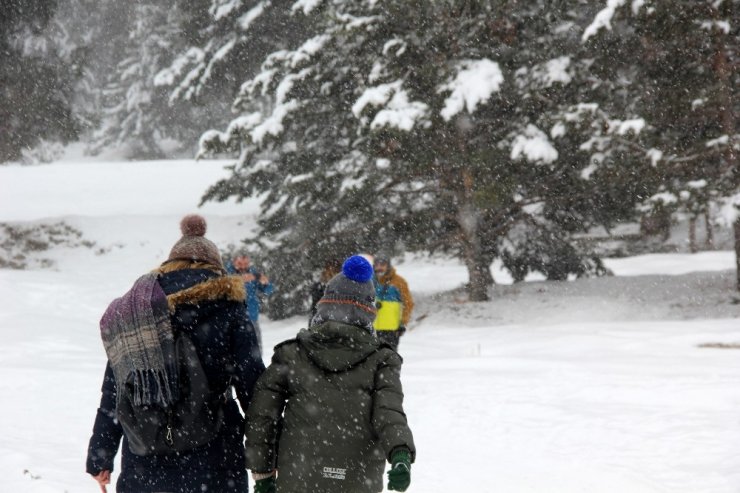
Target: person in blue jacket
x,y
256,283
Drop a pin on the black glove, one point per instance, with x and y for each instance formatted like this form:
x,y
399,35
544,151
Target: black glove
x,y
401,330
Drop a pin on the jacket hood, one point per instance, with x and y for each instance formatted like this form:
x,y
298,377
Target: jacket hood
x,y
336,347
192,286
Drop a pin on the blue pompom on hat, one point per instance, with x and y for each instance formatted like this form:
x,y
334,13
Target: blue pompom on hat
x,y
350,296
358,269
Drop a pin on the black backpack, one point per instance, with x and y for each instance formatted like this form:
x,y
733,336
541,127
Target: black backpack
x,y
191,422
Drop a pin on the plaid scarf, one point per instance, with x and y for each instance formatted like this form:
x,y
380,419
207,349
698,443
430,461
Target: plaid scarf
x,y
138,339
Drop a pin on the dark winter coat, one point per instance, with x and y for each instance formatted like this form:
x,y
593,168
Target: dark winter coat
x,y
328,412
209,307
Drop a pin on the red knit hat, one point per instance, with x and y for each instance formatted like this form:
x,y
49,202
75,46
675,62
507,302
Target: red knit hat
x,y
194,245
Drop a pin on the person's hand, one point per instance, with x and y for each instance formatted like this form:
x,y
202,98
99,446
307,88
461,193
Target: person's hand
x,y
399,477
248,277
264,279
266,485
401,330
103,479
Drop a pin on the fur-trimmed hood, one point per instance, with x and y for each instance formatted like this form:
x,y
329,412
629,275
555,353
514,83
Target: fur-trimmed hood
x,y
193,282
229,288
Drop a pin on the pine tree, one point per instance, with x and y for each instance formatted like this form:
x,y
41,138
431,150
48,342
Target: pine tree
x,y
418,125
133,109
95,30
224,41
677,63
37,80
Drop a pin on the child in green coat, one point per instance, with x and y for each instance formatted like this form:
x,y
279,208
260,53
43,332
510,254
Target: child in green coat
x,y
328,412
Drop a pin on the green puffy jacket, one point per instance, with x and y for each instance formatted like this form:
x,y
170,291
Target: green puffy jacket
x,y
328,412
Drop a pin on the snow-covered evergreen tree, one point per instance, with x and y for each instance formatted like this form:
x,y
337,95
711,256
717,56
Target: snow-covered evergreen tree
x,y
37,79
130,99
224,42
676,62
119,48
417,125
95,31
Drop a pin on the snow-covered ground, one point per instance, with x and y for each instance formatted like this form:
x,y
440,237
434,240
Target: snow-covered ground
x,y
596,385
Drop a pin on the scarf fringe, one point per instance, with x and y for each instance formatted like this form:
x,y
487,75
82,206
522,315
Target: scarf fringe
x,y
140,344
155,387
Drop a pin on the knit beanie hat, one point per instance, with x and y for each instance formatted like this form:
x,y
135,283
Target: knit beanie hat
x,y
382,258
193,245
350,296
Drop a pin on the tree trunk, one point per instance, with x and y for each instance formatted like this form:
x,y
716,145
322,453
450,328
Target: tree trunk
x,y
737,251
692,234
469,221
709,240
485,269
478,281
722,70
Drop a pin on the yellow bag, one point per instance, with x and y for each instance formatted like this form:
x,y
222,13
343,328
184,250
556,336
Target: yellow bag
x,y
389,316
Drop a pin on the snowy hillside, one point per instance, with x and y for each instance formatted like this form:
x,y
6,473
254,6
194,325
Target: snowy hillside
x,y
597,385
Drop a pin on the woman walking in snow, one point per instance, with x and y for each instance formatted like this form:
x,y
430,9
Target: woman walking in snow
x,y
328,412
143,332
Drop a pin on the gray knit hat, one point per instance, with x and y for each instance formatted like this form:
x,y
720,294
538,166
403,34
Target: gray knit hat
x,y
350,296
193,245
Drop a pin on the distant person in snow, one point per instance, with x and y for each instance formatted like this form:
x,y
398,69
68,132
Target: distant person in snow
x,y
177,343
331,269
394,301
328,411
256,283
